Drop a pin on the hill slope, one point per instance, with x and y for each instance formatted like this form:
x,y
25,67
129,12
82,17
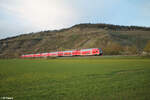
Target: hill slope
x,y
78,36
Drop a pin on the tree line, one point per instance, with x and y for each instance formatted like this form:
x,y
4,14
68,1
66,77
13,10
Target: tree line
x,y
117,49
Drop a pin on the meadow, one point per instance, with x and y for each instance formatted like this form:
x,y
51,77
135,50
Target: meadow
x,y
85,78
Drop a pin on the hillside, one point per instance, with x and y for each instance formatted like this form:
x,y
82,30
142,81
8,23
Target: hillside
x,y
103,36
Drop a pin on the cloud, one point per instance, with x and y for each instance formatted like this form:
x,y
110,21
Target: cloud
x,y
44,14
23,16
56,14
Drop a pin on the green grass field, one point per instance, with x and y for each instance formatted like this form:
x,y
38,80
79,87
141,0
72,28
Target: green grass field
x,y
100,78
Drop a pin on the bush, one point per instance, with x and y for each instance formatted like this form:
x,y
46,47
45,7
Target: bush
x,y
147,47
113,49
51,57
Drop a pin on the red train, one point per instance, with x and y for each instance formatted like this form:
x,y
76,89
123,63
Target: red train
x,y
82,52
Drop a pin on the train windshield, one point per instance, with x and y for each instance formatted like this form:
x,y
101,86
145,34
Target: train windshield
x,y
100,50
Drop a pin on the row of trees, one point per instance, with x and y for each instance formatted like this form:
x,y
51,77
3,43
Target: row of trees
x,y
147,48
117,49
111,27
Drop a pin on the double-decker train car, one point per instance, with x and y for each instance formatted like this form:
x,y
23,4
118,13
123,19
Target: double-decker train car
x,y
82,52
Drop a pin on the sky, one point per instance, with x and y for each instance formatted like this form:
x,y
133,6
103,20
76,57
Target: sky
x,y
25,16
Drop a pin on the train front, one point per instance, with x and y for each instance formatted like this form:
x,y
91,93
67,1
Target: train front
x,y
100,51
